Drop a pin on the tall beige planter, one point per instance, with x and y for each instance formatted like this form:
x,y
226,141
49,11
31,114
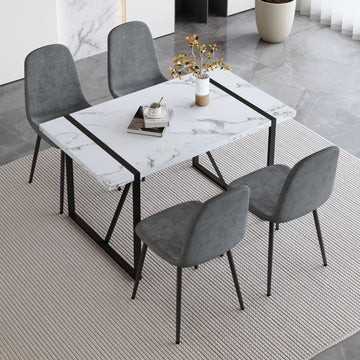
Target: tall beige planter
x,y
274,21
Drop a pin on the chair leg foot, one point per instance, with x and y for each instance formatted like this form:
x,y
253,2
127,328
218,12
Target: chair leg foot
x,y
318,230
62,181
33,164
139,270
235,278
270,257
178,303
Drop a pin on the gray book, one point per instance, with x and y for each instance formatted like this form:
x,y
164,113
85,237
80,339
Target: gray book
x,y
138,126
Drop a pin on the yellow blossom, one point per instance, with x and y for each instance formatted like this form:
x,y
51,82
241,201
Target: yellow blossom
x,y
199,61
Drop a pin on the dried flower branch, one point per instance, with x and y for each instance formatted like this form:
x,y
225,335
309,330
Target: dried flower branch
x,y
200,61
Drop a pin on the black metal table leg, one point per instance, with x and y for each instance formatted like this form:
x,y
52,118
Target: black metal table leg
x,y
103,243
219,179
62,179
136,217
272,128
117,213
271,143
70,185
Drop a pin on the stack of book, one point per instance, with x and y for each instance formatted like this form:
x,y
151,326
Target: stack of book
x,y
145,124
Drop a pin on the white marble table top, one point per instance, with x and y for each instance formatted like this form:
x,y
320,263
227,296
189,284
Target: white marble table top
x,y
193,130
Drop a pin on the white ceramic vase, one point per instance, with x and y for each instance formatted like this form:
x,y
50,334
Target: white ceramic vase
x,y
274,21
202,91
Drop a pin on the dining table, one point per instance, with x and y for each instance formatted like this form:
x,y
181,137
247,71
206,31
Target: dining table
x,y
96,138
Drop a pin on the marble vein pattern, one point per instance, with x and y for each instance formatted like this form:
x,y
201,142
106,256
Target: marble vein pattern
x,y
83,26
193,130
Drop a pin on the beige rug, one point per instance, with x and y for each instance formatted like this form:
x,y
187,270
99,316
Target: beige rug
x,y
61,297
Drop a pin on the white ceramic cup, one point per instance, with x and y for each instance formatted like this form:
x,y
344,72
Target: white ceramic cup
x,y
155,109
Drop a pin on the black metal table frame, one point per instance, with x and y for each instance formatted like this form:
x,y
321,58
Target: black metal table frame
x,y
104,243
219,180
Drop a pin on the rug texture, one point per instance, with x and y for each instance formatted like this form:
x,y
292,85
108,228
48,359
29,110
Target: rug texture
x,y
61,297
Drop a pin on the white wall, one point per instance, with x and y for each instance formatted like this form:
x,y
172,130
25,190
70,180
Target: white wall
x,y
159,15
24,25
235,6
83,26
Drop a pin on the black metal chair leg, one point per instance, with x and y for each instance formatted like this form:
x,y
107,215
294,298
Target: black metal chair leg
x,y
36,151
318,230
62,181
270,257
139,270
236,281
178,303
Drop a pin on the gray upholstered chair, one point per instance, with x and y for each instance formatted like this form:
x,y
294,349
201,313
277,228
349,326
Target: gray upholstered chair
x,y
132,60
192,233
52,89
280,194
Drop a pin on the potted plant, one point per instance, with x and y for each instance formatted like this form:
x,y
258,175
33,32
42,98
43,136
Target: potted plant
x,y
274,19
199,62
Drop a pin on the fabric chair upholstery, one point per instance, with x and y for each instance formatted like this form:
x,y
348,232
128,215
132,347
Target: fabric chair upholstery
x,y
308,185
192,233
132,60
52,89
52,86
266,186
280,194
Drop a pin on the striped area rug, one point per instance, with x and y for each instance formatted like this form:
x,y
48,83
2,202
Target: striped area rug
x,y
61,297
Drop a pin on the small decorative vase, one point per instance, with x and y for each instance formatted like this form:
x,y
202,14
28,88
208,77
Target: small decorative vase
x,y
202,91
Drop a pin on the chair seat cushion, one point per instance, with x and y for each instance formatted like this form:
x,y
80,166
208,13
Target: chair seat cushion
x,y
265,188
166,231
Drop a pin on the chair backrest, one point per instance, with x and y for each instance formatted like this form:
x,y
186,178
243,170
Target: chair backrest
x,y
132,61
52,86
308,185
219,226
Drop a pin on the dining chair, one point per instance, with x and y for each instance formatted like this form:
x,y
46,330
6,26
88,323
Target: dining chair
x,y
280,194
192,233
132,61
52,89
